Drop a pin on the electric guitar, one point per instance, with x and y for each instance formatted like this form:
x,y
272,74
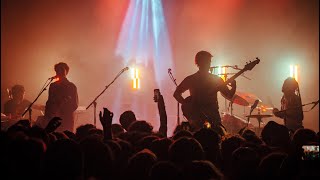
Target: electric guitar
x,y
204,116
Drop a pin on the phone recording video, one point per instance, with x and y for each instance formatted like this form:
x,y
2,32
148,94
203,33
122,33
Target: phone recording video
x,y
310,152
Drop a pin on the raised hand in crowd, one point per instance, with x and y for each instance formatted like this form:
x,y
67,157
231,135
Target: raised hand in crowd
x,y
24,122
162,111
53,124
106,121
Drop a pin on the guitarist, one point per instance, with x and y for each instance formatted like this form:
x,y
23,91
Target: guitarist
x,y
203,87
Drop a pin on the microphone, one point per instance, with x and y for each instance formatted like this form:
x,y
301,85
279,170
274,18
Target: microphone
x,y
125,69
255,104
315,104
53,77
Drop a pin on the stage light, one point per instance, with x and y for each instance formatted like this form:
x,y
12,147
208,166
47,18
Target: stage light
x,y
135,78
294,72
223,74
144,37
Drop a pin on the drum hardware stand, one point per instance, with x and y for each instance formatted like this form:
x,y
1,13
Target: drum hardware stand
x,y
42,90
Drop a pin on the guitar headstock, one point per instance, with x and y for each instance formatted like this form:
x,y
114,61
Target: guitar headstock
x,y
250,65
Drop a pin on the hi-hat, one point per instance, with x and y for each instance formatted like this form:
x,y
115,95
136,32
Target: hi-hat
x,y
263,108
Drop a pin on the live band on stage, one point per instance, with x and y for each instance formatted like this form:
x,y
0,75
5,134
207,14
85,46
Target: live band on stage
x,y
200,109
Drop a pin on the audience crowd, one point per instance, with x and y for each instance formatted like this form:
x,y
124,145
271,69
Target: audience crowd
x,y
134,150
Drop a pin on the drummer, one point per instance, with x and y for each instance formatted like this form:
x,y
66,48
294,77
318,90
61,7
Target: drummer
x,y
15,107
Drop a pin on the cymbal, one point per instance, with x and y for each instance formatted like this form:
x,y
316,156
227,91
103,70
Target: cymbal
x,y
259,115
243,99
249,97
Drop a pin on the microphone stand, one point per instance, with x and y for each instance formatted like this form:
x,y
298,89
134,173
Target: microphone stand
x,y
178,104
94,102
42,90
249,116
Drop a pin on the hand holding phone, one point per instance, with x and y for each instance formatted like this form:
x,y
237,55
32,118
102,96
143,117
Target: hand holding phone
x,y
156,95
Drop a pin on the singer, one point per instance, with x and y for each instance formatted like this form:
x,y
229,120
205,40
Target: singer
x,y
63,99
291,98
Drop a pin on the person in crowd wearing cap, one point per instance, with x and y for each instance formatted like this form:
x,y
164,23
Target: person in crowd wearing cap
x,y
203,87
291,105
63,98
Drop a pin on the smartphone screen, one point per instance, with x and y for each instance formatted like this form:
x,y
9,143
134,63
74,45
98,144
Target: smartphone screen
x,y
310,152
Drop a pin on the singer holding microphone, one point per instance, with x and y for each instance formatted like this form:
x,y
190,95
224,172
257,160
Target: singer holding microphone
x,y
63,98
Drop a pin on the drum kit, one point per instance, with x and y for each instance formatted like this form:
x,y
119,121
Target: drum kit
x,y
234,123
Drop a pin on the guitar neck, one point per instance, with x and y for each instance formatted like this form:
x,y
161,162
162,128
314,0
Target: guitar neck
x,y
234,76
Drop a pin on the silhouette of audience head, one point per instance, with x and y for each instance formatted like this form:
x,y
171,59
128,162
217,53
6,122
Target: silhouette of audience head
x,y
61,69
140,164
251,136
203,60
63,160
98,158
145,142
39,133
161,147
83,131
244,163
275,135
185,150
304,137
183,126
126,118
140,126
229,144
270,165
23,158
116,129
209,140
182,133
201,170
164,170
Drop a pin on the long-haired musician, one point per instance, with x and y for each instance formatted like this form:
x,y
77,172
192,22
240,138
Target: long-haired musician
x,y
291,105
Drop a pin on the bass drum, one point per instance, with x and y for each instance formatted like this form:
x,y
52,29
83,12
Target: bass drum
x,y
234,124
